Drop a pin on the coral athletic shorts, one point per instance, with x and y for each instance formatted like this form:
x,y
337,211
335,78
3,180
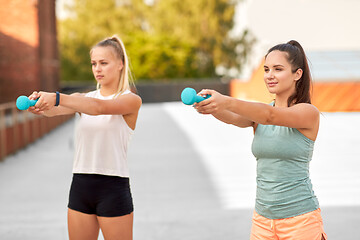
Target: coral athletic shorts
x,y
308,226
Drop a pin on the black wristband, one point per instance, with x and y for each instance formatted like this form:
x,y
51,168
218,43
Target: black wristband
x,y
57,99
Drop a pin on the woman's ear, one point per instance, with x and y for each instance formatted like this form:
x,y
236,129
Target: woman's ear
x,y
121,65
298,74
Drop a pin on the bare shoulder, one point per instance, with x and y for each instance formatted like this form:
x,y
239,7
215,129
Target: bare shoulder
x,y
131,98
306,107
306,110
308,118
134,97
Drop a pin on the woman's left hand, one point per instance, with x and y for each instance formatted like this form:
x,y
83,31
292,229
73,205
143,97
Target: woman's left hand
x,y
212,105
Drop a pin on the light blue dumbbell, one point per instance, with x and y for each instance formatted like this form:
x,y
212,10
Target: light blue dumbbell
x,y
23,102
189,96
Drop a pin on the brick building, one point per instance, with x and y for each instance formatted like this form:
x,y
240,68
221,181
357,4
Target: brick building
x,y
29,58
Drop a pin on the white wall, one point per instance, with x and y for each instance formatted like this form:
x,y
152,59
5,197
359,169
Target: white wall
x,y
319,25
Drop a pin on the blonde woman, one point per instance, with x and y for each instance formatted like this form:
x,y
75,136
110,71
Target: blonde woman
x,y
100,196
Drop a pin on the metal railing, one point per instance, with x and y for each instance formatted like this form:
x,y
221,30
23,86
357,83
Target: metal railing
x,y
20,128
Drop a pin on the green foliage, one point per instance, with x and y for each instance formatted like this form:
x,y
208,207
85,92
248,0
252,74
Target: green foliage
x,y
166,39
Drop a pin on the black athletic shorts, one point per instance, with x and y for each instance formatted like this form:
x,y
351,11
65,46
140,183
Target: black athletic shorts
x,y
105,196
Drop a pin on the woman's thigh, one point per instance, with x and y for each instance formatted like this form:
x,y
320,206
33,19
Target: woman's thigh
x,y
82,226
114,228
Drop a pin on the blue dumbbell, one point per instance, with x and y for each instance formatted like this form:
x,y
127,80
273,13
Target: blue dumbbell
x,y
189,96
23,102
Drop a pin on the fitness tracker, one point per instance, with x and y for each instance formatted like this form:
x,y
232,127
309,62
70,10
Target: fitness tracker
x,y
57,99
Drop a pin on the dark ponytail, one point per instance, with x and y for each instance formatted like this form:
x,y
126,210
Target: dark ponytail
x,y
297,58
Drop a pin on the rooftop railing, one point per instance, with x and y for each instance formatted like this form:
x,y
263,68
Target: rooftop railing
x,y
20,128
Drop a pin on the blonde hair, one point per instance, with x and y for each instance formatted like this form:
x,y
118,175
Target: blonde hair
x,y
126,80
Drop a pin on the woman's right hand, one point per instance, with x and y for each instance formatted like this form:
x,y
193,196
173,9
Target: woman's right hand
x,y
212,105
35,95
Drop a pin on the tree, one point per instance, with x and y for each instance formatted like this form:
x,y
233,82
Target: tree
x,y
164,39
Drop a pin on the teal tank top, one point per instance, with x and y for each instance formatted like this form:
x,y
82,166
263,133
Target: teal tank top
x,y
284,188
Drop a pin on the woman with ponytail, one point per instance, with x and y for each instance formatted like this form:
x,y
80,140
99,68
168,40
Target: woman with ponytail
x,y
284,135
100,196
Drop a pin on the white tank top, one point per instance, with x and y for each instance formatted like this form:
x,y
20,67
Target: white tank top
x,y
101,142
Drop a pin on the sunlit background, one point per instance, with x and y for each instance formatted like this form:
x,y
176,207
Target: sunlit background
x,y
193,177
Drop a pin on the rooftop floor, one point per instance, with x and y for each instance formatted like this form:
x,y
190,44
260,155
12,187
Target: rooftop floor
x,y
192,177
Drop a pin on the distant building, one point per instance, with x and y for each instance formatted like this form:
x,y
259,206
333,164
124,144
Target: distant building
x,y
336,82
29,58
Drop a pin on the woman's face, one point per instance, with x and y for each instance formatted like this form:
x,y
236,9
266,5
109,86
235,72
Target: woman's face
x,y
278,75
105,66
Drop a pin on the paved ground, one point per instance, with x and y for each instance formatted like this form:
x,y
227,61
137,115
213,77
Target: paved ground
x,y
191,176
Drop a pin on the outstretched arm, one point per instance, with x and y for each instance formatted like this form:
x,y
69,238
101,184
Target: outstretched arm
x,y
300,116
122,105
209,106
229,117
50,110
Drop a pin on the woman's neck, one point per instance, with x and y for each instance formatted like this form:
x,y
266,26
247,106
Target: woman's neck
x,y
281,101
107,91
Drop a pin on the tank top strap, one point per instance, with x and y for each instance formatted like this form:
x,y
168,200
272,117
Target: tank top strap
x,y
127,91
